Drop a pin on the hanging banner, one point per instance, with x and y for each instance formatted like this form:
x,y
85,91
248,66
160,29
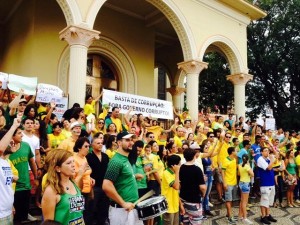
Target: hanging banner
x,y
3,80
147,106
47,93
61,107
28,84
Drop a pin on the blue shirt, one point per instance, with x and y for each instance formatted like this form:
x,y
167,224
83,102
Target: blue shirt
x,y
240,155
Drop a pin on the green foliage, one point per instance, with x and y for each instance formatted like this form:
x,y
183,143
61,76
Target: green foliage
x,y
214,89
274,60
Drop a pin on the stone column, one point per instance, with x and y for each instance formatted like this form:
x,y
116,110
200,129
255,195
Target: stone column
x,y
239,81
176,92
79,39
192,69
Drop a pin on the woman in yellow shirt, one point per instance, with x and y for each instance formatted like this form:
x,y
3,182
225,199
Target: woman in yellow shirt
x,y
245,173
111,146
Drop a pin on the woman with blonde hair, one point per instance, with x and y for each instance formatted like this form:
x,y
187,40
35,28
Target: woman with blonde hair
x,y
62,200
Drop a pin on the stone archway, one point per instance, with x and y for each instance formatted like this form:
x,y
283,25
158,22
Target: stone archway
x,y
117,55
167,7
229,50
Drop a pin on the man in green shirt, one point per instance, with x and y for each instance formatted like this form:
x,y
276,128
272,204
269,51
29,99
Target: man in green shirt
x,y
120,185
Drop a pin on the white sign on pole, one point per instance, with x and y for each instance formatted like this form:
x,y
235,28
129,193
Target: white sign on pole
x,y
47,93
3,80
28,84
61,107
140,104
270,124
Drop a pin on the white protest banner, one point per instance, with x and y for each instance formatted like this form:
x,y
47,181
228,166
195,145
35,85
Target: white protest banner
x,y
140,104
47,93
270,124
3,80
28,84
61,107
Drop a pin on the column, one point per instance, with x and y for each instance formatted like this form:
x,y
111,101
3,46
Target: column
x,y
239,81
79,39
192,69
176,92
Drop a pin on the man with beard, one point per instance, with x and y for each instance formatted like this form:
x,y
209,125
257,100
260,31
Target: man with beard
x,y
120,185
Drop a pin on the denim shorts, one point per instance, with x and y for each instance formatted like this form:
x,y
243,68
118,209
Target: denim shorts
x,y
244,187
229,192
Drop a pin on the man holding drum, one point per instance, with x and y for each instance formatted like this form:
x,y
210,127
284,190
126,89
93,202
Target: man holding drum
x,y
120,185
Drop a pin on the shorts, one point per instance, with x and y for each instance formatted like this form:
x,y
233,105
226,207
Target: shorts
x,y
244,187
267,196
8,220
217,176
229,192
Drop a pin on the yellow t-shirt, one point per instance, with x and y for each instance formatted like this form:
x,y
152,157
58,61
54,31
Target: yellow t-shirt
x,y
56,140
223,153
67,144
110,153
156,130
171,194
178,141
14,171
161,142
89,108
244,175
229,168
152,162
118,124
297,161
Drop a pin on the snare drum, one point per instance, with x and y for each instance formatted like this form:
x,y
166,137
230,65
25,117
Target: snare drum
x,y
152,208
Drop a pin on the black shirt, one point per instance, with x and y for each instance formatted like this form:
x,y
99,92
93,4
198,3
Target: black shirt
x,y
98,167
190,177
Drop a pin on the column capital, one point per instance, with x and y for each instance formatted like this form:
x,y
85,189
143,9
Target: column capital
x,y
192,66
240,78
76,35
175,90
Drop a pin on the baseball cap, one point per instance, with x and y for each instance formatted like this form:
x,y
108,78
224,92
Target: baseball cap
x,y
22,100
123,135
195,146
75,124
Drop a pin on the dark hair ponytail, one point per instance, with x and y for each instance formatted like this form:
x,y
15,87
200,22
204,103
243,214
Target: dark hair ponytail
x,y
245,158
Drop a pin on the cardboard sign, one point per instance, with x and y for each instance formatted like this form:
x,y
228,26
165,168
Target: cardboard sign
x,y
47,93
61,107
140,104
28,84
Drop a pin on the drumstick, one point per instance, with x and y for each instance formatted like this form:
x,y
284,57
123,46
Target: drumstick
x,y
145,196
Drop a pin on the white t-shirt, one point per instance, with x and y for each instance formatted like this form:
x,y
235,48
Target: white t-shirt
x,y
6,190
34,143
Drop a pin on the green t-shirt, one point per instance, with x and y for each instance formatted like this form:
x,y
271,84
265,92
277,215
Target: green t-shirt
x,y
139,168
120,172
20,160
69,210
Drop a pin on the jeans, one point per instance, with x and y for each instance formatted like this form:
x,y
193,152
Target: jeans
x,y
279,189
297,190
208,189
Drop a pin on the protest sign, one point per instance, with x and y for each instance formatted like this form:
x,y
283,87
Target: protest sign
x,y
28,84
270,124
47,93
61,107
3,80
140,104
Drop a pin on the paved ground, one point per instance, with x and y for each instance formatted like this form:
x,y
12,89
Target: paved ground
x,y
284,216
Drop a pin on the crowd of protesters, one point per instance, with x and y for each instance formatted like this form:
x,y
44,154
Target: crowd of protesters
x,y
91,169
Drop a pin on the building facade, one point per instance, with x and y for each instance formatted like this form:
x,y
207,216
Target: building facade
x,y
83,46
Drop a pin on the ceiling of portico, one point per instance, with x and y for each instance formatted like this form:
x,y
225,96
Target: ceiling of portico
x,y
140,10
165,34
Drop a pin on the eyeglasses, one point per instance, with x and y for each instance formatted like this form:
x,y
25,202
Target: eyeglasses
x,y
228,136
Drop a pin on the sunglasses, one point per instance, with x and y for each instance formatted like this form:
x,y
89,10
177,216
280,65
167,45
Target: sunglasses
x,y
228,136
211,136
100,122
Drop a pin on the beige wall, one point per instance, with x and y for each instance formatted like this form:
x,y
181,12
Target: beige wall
x,y
206,22
32,41
138,42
